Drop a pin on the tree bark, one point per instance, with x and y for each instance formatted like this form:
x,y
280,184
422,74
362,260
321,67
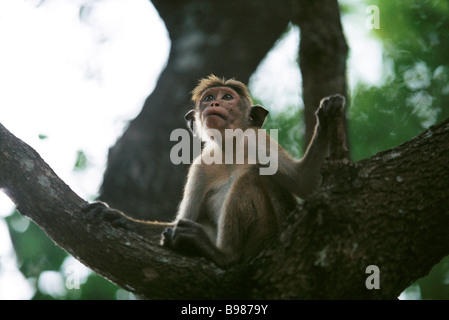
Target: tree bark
x,y
227,39
391,210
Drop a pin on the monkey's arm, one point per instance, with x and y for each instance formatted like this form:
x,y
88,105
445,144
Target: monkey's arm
x,y
302,177
194,191
187,236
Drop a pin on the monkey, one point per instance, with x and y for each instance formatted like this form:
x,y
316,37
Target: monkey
x,y
229,212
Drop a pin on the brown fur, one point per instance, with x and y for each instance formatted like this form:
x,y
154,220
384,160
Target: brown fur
x,y
213,82
229,212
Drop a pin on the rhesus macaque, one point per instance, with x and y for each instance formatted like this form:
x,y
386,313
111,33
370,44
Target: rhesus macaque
x,y
229,211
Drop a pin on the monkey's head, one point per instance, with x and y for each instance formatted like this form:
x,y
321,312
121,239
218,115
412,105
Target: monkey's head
x,y
223,104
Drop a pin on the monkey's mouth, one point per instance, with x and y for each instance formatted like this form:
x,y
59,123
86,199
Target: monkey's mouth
x,y
215,112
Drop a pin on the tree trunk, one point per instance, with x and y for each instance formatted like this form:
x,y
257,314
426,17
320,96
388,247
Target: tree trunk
x,y
390,211
322,55
224,38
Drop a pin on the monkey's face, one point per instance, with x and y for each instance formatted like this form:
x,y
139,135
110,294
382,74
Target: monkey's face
x,y
221,108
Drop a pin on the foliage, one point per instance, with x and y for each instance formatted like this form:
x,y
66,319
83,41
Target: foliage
x,y
81,161
415,38
37,254
290,129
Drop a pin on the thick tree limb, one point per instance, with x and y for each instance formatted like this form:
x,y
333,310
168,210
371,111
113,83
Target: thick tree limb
x,y
133,261
391,210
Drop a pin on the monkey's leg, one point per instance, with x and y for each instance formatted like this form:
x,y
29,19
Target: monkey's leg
x,y
99,211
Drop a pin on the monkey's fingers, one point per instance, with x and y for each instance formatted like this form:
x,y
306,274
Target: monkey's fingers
x,y
331,106
179,240
190,238
94,206
166,237
330,109
99,212
95,214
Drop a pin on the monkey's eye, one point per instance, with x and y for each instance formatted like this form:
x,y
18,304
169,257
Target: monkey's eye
x,y
227,96
209,98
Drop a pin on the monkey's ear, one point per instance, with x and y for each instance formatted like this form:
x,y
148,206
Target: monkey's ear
x,y
190,117
257,115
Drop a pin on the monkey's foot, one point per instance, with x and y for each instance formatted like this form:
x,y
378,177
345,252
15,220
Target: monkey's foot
x,y
99,212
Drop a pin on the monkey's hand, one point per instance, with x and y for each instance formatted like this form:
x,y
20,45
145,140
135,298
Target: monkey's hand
x,y
189,238
99,212
330,109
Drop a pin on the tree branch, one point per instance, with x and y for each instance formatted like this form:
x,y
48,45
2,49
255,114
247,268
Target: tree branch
x,y
132,260
390,210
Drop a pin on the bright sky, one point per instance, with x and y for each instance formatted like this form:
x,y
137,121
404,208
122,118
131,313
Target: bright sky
x,y
76,77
